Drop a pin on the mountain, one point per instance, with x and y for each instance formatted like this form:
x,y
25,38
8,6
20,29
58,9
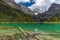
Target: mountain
x,y
50,15
53,14
9,12
20,7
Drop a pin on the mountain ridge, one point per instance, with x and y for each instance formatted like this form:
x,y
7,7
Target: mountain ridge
x,y
10,14
53,11
21,8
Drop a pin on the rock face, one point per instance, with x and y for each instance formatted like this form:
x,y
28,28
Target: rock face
x,y
24,9
52,11
54,7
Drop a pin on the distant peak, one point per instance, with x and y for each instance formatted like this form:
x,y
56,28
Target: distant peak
x,y
55,4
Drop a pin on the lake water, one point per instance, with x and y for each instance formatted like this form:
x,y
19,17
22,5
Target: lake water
x,y
44,28
35,26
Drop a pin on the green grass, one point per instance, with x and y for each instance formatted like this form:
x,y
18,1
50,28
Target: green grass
x,y
9,14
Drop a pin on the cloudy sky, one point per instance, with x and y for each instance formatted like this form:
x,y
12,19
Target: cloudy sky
x,y
39,5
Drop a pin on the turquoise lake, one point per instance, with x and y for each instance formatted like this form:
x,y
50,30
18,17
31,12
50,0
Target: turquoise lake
x,y
38,26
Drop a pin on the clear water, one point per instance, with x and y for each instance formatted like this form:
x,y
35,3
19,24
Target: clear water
x,y
42,27
38,26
